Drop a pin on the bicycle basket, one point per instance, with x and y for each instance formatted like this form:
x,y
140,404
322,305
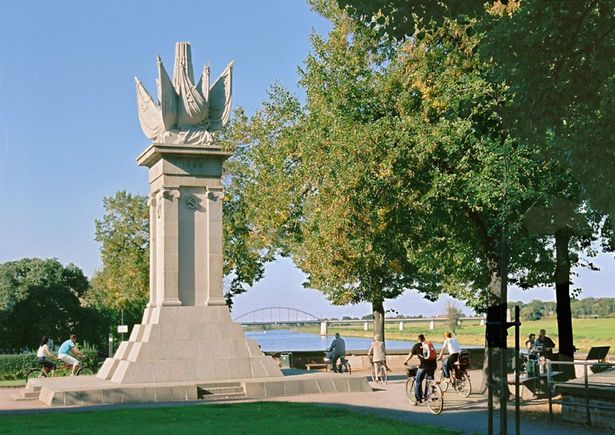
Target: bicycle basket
x,y
411,371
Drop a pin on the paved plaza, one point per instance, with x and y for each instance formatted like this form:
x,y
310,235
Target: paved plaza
x,y
466,415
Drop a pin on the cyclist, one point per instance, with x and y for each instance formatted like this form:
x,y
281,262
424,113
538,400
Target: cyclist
x,y
337,350
43,352
426,354
377,354
66,349
451,345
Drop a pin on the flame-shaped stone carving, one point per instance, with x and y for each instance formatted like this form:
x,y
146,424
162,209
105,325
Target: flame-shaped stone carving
x,y
185,113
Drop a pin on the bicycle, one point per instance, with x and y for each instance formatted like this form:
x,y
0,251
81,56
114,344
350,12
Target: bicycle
x,y
458,377
85,369
343,366
379,372
434,396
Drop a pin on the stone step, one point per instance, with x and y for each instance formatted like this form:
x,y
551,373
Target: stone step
x,y
221,397
219,384
221,391
27,395
32,388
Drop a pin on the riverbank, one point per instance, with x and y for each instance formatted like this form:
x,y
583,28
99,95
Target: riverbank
x,y
587,332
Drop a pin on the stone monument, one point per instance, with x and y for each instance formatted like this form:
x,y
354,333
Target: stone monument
x,y
186,333
186,347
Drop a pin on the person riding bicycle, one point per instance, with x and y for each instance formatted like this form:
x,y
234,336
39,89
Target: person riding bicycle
x,y
66,349
426,354
43,352
336,351
377,354
451,345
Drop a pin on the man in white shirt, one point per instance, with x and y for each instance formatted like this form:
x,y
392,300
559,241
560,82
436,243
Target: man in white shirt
x,y
451,345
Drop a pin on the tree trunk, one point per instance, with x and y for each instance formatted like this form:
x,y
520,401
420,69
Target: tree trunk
x,y
378,313
495,334
562,295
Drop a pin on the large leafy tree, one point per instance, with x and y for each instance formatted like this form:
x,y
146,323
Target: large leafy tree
x,y
318,189
43,297
557,58
123,233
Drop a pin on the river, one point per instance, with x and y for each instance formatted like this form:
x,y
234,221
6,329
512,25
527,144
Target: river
x,y
279,340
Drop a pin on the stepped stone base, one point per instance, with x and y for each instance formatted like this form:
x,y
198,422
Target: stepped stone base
x,y
186,344
91,390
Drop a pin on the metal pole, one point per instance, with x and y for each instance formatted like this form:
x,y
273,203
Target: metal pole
x,y
110,345
122,321
517,370
490,388
549,389
587,413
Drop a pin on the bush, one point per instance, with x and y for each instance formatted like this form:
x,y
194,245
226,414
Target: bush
x,y
13,366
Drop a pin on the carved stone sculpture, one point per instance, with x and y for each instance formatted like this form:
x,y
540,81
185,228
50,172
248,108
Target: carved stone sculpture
x,y
185,113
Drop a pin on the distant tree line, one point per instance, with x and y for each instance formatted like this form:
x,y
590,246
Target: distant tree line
x,y
587,307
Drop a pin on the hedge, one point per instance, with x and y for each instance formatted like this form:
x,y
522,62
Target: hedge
x,y
12,366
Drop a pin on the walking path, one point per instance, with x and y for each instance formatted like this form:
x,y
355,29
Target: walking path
x,y
463,415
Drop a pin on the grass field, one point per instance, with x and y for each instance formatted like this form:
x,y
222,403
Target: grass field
x,y
243,418
587,332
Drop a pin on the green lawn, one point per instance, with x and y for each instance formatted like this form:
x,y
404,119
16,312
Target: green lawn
x,y
243,418
587,332
12,383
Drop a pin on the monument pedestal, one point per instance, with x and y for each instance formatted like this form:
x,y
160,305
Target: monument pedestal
x,y
177,344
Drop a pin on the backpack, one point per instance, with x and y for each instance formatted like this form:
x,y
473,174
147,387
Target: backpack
x,y
429,352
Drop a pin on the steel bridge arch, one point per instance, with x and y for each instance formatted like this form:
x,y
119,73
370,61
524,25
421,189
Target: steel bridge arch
x,y
309,316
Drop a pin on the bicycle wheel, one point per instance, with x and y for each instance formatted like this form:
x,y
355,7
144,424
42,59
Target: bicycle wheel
x,y
410,391
442,381
382,374
435,401
85,371
463,386
35,373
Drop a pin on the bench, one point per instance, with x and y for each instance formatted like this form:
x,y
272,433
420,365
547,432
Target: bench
x,y
314,366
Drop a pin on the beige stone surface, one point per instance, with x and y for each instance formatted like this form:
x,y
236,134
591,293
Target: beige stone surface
x,y
92,390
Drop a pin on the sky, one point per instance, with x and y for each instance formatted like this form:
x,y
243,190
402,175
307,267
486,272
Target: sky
x,y
69,131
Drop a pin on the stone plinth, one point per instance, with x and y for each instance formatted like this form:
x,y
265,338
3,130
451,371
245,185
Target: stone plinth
x,y
176,344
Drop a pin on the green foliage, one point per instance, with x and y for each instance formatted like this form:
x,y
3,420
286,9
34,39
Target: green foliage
x,y
13,366
586,307
43,297
17,277
123,233
454,315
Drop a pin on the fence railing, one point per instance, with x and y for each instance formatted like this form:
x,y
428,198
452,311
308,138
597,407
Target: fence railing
x,y
586,385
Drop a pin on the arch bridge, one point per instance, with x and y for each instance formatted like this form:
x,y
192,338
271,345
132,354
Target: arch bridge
x,y
276,315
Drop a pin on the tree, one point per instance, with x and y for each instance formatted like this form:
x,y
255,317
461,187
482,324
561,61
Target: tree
x,y
558,59
319,189
43,297
453,314
124,236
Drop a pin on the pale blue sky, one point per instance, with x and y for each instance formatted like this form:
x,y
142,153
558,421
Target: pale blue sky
x,y
69,132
